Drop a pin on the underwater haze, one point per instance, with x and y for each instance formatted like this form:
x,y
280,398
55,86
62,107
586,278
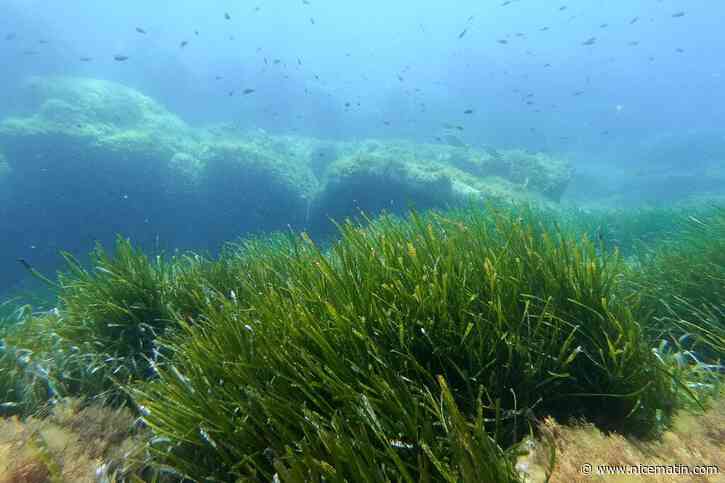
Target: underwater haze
x,y
186,124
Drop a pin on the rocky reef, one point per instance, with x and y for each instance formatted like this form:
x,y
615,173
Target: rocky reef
x,y
93,158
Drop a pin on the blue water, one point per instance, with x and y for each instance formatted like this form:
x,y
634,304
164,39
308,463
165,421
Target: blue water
x,y
637,111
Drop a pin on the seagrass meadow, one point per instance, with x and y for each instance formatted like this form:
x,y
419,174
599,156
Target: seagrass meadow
x,y
486,343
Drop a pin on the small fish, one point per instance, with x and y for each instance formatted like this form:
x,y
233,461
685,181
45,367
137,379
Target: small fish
x,y
312,21
276,61
218,77
387,123
120,58
305,2
10,36
183,44
140,30
247,91
503,41
634,20
227,16
299,61
460,36
603,26
468,111
507,2
678,14
41,41
547,65
400,78
681,51
562,8
633,43
543,29
86,59
578,93
231,93
470,19
590,41
196,32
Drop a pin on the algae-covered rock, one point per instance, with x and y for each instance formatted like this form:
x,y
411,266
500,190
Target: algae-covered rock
x,y
98,106
393,175
538,172
185,172
88,124
92,159
256,187
96,153
373,181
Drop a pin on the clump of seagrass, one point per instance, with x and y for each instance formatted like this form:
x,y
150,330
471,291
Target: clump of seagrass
x,y
683,283
99,338
119,307
416,349
689,265
103,334
348,364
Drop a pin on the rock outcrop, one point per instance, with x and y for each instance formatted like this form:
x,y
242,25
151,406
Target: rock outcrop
x,y
95,158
